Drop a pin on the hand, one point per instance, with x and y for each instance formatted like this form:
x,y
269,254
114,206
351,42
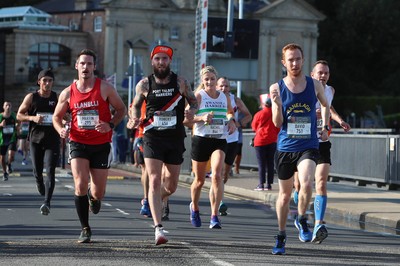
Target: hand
x,y
346,127
324,135
64,132
231,126
189,114
208,117
102,127
38,119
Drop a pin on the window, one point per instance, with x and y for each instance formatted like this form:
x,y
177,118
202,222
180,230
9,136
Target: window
x,y
174,33
98,24
176,65
47,55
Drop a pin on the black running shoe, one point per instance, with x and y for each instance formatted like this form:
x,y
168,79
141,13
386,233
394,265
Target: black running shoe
x,y
45,209
85,236
94,205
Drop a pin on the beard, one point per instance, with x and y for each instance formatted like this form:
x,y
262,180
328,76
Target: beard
x,y
161,74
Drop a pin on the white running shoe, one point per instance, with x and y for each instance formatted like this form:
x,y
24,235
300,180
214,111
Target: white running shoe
x,y
160,237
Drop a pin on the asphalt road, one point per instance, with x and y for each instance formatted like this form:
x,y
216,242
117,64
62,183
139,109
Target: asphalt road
x,y
123,237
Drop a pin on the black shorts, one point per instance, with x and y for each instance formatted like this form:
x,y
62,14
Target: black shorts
x,y
202,147
4,148
325,152
99,156
286,162
239,149
167,150
231,152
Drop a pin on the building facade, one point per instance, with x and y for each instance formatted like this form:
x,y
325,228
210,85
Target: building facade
x,y
113,28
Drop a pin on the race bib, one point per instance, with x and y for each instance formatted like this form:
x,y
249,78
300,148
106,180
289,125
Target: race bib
x,y
164,120
24,129
87,119
299,127
47,119
8,129
215,129
319,124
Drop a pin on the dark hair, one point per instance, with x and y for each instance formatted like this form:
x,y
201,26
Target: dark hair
x,y
89,53
322,62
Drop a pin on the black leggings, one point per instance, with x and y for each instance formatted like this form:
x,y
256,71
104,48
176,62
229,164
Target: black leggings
x,y
41,156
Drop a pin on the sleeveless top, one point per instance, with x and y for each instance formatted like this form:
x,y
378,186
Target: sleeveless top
x,y
86,110
329,97
44,132
234,137
218,127
8,133
299,129
165,107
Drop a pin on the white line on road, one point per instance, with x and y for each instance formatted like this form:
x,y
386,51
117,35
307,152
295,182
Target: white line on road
x,y
204,254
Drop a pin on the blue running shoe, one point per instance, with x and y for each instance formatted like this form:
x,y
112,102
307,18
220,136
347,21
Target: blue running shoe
x,y
145,210
279,248
304,233
296,197
222,209
215,223
319,234
194,216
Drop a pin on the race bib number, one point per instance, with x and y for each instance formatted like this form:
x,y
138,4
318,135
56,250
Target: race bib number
x,y
299,127
87,119
8,130
215,129
164,120
47,119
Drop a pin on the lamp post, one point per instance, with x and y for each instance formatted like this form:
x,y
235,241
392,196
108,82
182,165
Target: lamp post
x,y
129,73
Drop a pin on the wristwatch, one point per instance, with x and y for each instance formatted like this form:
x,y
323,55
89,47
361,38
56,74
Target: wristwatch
x,y
326,127
111,125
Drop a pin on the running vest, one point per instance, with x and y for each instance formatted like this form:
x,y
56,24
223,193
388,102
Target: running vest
x,y
234,137
218,128
329,97
165,108
8,133
44,132
86,110
299,128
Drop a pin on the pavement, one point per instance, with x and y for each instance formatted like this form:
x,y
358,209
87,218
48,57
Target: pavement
x,y
369,208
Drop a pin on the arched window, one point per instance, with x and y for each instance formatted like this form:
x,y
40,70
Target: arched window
x,y
47,55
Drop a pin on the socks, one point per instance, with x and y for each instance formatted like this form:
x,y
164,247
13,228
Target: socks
x,y
320,207
82,208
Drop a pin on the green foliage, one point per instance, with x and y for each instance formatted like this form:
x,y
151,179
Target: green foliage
x,y
359,39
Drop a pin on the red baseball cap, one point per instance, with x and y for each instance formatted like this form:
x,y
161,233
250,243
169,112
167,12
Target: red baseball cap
x,y
162,49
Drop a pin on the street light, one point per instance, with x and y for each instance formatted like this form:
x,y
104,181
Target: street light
x,y
130,74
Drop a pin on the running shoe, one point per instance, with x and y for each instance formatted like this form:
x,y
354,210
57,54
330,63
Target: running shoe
x,y
9,168
194,216
279,248
304,233
260,187
165,216
145,210
269,187
222,209
295,197
40,187
94,205
160,237
215,223
5,176
319,234
45,209
85,236
24,162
